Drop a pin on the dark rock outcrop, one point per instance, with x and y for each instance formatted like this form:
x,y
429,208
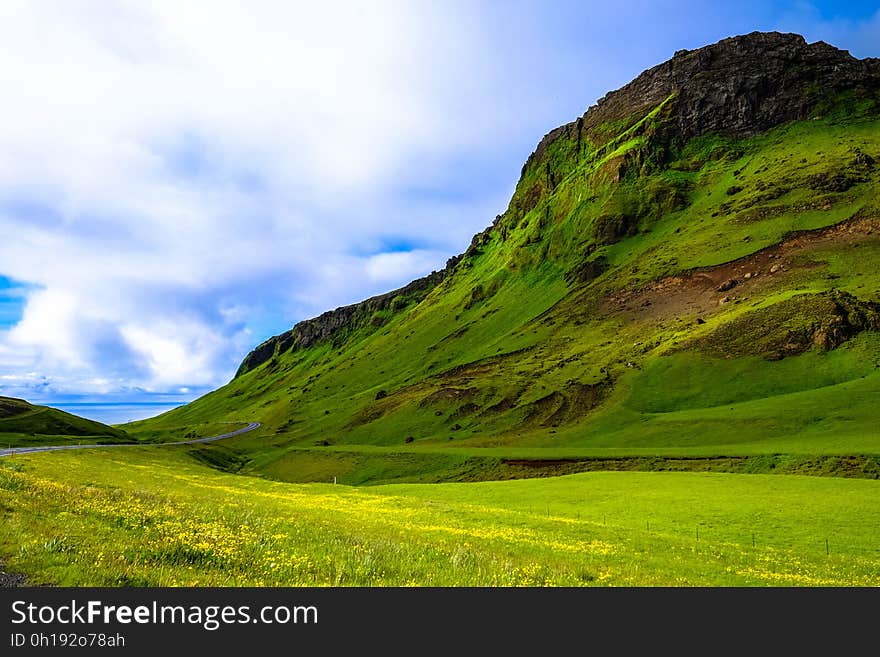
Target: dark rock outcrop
x,y
336,324
823,320
739,87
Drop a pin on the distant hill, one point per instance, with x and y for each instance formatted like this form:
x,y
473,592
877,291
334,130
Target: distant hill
x,y
22,423
10,407
691,267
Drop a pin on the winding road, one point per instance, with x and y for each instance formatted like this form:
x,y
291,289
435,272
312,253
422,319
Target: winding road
x,y
208,439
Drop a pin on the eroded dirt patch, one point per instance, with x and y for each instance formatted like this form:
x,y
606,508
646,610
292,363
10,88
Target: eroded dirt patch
x,y
706,289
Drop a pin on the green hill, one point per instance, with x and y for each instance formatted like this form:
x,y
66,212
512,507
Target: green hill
x,y
23,424
689,271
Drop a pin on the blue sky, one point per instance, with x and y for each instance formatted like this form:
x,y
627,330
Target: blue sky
x,y
179,182
12,300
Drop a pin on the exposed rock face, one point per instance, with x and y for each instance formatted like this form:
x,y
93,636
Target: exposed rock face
x,y
825,320
849,317
740,86
338,323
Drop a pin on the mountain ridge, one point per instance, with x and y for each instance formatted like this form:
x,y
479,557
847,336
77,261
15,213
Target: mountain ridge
x,y
765,54
737,68
644,293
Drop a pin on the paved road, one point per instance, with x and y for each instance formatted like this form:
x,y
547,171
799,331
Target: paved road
x,y
207,439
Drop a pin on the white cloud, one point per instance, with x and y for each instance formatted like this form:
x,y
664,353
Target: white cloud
x,y
175,351
170,172
388,268
51,322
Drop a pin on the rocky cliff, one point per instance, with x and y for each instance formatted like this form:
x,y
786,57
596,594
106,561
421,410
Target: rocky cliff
x,y
740,87
338,323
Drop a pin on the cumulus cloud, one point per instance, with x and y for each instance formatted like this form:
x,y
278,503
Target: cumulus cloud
x,y
178,178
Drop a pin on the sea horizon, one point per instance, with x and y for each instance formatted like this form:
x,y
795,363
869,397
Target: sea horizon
x,y
118,412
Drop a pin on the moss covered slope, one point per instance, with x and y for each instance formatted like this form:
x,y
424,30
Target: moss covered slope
x,y
692,266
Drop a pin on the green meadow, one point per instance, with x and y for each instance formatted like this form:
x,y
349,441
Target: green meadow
x,y
156,516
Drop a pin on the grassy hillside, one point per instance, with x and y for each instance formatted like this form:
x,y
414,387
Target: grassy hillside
x,y
159,518
23,424
672,277
722,302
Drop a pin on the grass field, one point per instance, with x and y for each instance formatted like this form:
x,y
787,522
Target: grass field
x,y
155,516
